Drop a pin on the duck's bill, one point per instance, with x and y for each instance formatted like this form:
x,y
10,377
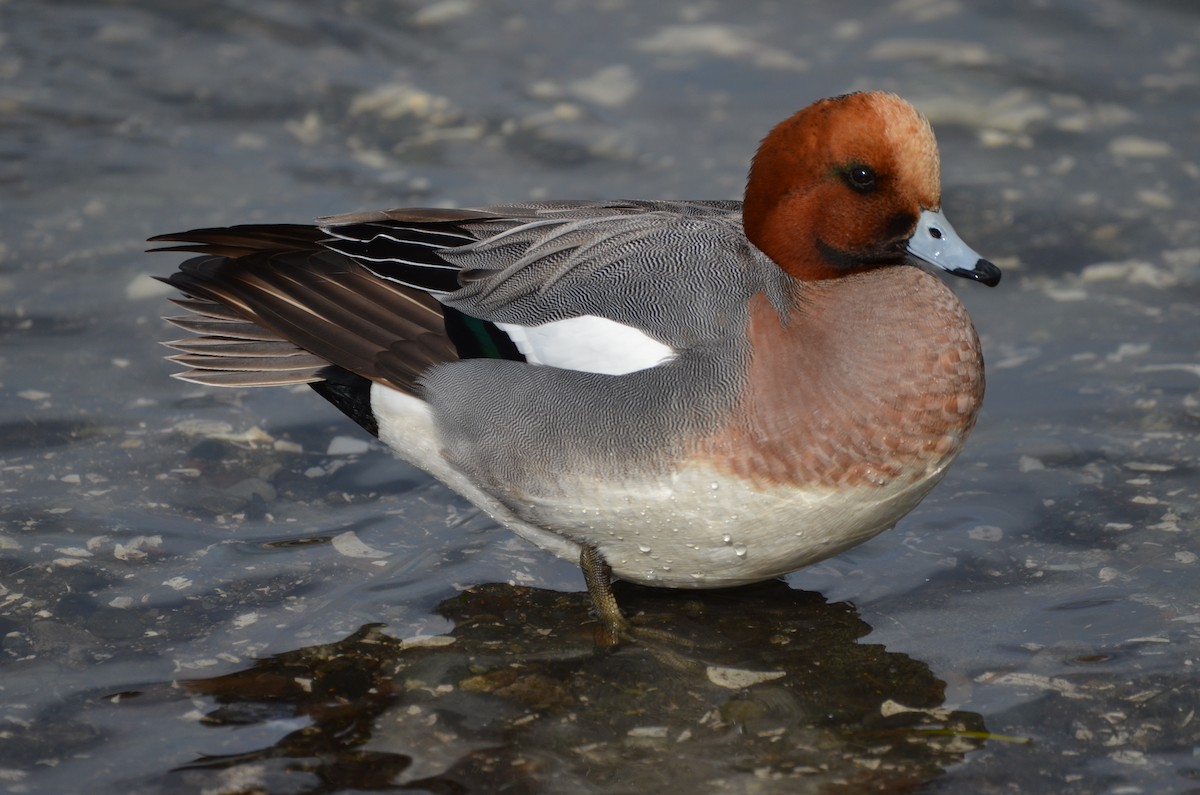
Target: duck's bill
x,y
936,243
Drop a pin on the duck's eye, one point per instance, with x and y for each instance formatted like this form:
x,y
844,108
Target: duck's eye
x,y
860,178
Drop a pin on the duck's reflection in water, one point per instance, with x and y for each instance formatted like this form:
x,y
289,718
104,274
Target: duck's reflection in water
x,y
758,689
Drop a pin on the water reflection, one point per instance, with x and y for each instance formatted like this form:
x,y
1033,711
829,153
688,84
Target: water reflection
x,y
766,684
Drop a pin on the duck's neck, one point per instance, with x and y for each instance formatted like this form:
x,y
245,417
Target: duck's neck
x,y
862,380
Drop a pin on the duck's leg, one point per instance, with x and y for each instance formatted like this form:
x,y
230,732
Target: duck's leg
x,y
616,628
598,576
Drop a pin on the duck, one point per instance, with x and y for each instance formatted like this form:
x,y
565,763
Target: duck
x,y
678,393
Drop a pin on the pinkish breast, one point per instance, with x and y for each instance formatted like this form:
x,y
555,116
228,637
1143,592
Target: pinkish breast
x,y
867,379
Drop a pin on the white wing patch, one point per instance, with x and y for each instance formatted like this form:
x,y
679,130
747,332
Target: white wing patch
x,y
589,344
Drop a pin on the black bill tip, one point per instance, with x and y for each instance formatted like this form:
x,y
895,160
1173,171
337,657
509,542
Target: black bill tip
x,y
982,271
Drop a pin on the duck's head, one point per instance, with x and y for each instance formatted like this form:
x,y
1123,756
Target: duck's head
x,y
853,183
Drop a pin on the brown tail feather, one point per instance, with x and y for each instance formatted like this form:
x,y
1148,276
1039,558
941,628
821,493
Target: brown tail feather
x,y
272,306
240,241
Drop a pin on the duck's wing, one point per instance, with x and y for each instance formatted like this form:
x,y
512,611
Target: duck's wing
x,y
607,287
387,295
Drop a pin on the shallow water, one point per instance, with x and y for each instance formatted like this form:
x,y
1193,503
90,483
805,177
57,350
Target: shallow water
x,y
191,581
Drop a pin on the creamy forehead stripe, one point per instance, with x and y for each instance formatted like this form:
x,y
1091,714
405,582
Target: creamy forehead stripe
x,y
911,137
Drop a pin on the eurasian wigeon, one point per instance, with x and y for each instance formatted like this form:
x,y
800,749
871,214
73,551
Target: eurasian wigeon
x,y
686,394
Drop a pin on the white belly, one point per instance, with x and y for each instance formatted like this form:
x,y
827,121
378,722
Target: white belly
x,y
701,531
694,529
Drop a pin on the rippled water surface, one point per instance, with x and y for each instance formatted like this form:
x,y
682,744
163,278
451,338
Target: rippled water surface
x,y
228,592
